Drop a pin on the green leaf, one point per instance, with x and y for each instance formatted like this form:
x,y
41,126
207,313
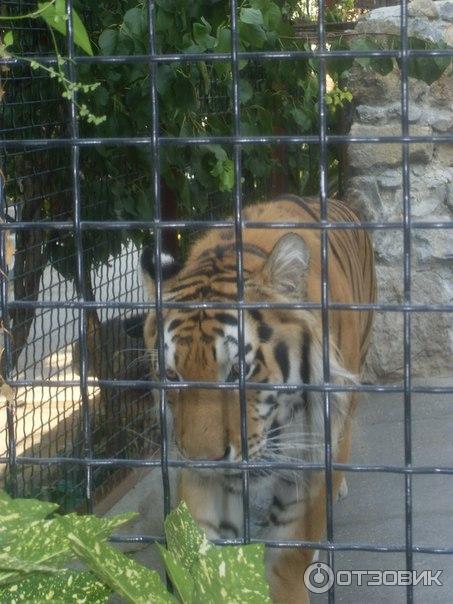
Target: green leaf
x,y
301,119
218,574
220,155
67,586
201,35
135,21
108,41
185,539
44,542
8,39
205,76
168,5
429,69
14,512
272,14
102,96
245,90
9,563
133,582
252,35
231,574
227,176
224,171
164,21
363,44
184,94
55,17
252,16
164,79
143,207
223,43
180,578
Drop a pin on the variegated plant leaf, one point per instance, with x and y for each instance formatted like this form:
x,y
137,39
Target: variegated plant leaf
x,y
179,576
14,513
43,543
68,586
133,582
233,574
185,539
203,573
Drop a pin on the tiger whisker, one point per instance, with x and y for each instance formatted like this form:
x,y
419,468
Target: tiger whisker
x,y
289,451
140,349
145,438
285,439
296,446
290,429
283,458
133,364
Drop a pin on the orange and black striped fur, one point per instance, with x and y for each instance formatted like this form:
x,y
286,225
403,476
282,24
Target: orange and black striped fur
x,y
281,346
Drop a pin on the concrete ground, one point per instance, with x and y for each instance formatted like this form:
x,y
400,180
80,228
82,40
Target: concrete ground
x,y
373,511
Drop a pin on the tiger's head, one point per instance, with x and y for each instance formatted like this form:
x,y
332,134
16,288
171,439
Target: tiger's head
x,y
280,346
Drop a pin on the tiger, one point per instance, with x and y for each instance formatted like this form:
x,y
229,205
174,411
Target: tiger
x,y
280,346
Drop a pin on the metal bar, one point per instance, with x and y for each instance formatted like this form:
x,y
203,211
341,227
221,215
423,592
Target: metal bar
x,y
49,304
216,224
240,466
280,139
251,55
237,152
312,545
80,264
155,170
6,362
407,264
147,384
324,208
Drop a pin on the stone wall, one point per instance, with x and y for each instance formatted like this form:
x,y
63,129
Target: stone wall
x,y
374,188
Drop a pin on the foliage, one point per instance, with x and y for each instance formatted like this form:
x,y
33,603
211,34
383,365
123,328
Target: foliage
x,y
195,100
35,549
341,11
54,14
428,69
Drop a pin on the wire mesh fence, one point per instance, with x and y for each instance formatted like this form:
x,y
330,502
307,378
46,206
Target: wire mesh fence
x,y
47,418
85,414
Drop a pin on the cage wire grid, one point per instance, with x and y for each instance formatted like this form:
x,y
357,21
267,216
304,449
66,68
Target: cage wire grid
x,y
81,304
47,418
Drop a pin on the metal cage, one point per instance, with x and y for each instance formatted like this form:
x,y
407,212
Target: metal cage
x,y
78,305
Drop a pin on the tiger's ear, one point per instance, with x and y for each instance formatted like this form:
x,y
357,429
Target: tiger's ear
x,y
287,265
170,267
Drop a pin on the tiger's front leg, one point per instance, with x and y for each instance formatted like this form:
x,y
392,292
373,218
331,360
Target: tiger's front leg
x,y
217,508
286,567
303,521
